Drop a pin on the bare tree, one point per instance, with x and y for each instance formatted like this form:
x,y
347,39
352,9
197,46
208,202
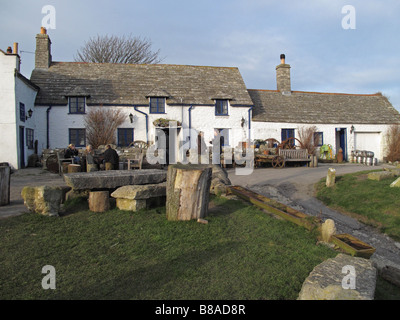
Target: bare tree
x,y
101,124
114,49
307,138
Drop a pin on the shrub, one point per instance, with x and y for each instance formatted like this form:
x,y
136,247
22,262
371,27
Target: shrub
x,y
307,138
393,143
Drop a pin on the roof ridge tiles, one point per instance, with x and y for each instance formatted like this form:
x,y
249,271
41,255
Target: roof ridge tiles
x,y
142,64
378,94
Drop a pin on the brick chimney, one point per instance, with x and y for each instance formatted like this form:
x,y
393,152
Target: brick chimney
x,y
43,50
283,76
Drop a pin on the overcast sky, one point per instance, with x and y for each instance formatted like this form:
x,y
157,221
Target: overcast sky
x,y
324,56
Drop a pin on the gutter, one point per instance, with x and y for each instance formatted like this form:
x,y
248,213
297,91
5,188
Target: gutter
x,y
250,109
147,123
190,124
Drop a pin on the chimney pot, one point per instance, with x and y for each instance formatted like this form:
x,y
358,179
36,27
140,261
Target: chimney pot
x,y
283,76
9,50
43,30
15,51
282,58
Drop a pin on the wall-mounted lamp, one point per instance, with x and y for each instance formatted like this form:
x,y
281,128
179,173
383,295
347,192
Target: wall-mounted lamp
x,y
352,129
29,114
242,122
131,117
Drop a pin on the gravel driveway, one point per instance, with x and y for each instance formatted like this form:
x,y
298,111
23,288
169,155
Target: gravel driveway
x,y
294,186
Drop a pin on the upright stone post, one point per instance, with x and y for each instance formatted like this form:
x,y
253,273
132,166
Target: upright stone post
x,y
5,172
188,191
330,178
328,229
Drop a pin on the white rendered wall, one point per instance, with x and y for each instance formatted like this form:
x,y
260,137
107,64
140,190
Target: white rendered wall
x,y
26,95
13,91
265,130
203,118
8,129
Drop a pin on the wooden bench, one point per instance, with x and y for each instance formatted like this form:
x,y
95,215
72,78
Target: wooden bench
x,y
135,160
299,155
61,160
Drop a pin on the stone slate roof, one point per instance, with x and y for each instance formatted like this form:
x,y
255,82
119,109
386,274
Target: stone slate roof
x,y
132,84
322,108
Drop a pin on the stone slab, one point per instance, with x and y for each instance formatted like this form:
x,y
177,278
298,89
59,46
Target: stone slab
x,y
130,205
113,178
135,205
330,280
44,200
138,192
396,172
380,175
396,183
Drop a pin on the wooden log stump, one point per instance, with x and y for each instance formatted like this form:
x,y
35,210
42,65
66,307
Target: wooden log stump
x,y
74,168
188,191
99,201
5,172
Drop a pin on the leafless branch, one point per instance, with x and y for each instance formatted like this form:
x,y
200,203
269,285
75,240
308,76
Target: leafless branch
x,y
307,138
114,49
101,124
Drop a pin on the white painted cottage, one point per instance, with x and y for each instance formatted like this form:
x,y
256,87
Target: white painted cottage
x,y
18,139
196,97
348,121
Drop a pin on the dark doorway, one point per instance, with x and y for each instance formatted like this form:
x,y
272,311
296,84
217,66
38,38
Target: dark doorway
x,y
341,141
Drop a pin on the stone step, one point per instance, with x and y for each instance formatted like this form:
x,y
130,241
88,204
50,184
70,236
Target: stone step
x,y
138,192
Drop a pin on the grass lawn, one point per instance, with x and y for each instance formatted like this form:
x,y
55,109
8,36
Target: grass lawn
x,y
372,202
242,253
